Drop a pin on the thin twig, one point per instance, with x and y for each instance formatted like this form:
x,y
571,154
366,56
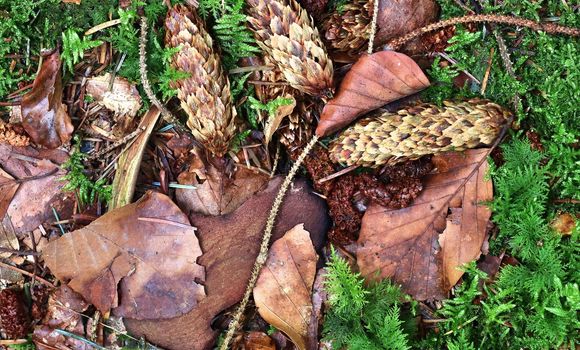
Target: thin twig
x,y
26,273
550,28
338,173
116,144
373,26
263,254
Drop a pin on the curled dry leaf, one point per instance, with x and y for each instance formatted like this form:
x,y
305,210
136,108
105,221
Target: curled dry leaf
x,y
274,122
120,97
283,292
373,81
44,116
230,244
40,186
421,247
216,193
148,248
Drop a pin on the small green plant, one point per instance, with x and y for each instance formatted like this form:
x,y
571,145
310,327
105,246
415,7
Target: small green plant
x,y
73,48
362,317
271,107
77,180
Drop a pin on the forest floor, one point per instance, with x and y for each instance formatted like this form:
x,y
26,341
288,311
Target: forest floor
x,y
273,174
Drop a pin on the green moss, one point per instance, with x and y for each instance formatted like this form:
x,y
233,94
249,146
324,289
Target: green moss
x,y
362,317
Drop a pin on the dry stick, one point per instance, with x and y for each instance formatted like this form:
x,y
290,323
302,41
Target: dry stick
x,y
263,254
167,116
118,143
373,26
549,28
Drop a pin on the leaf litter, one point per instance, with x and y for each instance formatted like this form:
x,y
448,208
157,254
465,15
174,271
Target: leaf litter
x,y
173,253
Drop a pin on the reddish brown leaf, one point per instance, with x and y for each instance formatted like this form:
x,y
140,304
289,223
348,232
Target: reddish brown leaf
x,y
230,244
40,188
148,248
283,292
397,18
258,341
8,187
421,247
216,193
44,117
373,81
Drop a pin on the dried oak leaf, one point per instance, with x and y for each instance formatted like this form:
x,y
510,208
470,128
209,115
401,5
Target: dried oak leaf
x,y
44,116
283,292
230,244
422,246
148,248
40,188
216,193
373,81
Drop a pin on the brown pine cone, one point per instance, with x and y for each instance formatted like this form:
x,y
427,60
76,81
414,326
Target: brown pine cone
x,y
389,138
285,32
9,136
205,94
348,29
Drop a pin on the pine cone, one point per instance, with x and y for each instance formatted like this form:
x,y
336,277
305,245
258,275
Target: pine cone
x,y
11,137
389,138
205,94
348,29
285,32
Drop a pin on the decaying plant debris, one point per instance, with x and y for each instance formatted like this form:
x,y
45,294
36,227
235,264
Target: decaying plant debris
x,y
279,174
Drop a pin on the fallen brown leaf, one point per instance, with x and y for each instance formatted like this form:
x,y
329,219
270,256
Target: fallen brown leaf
x,y
216,193
373,81
422,246
230,244
44,116
258,341
8,188
40,187
122,98
147,247
396,18
274,121
283,292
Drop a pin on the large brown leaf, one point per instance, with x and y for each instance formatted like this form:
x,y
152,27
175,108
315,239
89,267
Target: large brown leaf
x,y
283,292
422,246
216,193
230,244
148,248
373,81
40,186
44,117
